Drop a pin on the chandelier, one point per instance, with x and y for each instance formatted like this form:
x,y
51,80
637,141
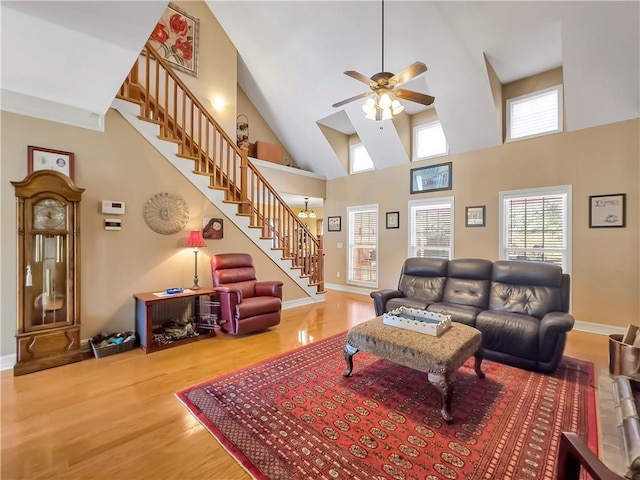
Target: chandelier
x,y
306,213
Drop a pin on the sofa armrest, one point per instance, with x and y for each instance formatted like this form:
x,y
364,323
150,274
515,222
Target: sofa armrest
x,y
555,323
269,288
380,298
553,326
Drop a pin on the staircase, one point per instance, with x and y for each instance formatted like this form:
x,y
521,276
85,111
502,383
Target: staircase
x,y
160,106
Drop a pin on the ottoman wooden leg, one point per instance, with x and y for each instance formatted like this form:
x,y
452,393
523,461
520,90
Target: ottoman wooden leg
x,y
478,361
444,386
349,352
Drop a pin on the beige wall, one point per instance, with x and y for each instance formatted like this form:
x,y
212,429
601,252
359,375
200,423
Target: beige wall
x,y
605,276
258,128
116,165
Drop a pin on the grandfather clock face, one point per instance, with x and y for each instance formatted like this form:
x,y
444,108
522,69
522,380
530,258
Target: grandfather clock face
x,y
47,262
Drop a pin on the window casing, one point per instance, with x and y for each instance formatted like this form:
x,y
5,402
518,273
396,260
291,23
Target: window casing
x,y
431,228
429,141
535,225
362,254
535,114
359,159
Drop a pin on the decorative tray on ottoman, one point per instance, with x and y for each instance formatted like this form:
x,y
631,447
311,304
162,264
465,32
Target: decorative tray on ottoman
x,y
417,320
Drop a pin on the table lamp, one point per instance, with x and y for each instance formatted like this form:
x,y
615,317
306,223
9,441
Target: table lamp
x,y
195,240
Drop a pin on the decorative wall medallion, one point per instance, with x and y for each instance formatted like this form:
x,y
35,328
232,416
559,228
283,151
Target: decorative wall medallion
x,y
166,213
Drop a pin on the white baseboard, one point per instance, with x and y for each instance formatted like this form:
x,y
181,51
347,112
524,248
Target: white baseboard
x,y
302,301
8,361
348,288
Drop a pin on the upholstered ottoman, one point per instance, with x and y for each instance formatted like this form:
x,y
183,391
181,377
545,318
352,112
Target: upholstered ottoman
x,y
438,356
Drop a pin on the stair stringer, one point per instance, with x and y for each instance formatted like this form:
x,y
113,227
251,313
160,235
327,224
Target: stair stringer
x,y
151,132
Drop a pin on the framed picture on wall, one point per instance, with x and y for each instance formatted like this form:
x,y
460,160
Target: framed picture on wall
x,y
607,211
475,216
431,178
175,39
47,159
393,219
212,228
334,224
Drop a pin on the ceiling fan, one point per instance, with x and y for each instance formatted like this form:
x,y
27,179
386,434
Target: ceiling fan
x,y
383,103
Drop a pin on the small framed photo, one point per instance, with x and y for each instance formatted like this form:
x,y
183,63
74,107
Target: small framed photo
x,y
431,178
607,211
475,216
47,159
393,219
212,228
334,224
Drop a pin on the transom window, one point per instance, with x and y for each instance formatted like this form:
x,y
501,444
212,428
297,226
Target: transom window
x,y
360,161
429,141
535,114
431,228
536,225
363,245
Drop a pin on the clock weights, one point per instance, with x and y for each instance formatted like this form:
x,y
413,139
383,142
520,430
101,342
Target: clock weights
x,y
48,243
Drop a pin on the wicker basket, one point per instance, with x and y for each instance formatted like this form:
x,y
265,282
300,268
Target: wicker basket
x,y
115,347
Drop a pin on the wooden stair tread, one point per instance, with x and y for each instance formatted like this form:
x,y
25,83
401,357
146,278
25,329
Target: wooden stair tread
x,y
187,157
170,139
145,119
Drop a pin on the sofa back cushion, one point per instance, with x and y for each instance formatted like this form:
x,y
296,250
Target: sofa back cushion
x,y
468,282
530,288
423,278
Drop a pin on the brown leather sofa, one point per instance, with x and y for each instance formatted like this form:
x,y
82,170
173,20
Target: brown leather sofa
x,y
246,305
521,307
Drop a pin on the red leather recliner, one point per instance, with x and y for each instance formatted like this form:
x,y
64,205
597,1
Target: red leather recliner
x,y
246,305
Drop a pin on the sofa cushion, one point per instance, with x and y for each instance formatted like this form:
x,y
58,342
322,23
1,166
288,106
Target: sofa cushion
x,y
250,307
528,300
459,313
510,333
426,289
522,272
410,302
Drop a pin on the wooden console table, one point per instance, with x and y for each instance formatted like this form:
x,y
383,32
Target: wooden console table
x,y
152,311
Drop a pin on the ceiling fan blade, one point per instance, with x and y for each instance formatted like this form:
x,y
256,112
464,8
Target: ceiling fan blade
x,y
414,96
343,102
359,76
408,73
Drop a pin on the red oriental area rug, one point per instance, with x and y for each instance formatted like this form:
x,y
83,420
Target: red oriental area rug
x,y
295,416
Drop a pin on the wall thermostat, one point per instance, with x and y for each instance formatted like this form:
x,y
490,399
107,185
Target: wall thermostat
x,y
112,224
113,208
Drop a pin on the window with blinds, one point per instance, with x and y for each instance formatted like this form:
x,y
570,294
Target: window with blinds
x,y
429,141
535,114
431,228
535,225
363,245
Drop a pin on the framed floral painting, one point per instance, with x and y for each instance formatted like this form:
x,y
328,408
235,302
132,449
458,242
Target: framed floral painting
x,y
175,38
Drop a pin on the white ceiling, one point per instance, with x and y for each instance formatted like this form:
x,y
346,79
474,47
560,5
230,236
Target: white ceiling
x,y
293,55
68,59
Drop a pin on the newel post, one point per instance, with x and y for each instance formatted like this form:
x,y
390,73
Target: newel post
x,y
320,260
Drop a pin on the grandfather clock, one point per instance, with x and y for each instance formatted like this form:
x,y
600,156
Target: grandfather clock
x,y
48,335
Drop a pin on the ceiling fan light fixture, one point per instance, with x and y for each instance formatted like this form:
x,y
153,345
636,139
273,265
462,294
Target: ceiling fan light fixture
x,y
386,113
384,100
396,107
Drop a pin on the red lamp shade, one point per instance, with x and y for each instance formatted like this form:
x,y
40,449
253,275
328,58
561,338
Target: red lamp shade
x,y
195,240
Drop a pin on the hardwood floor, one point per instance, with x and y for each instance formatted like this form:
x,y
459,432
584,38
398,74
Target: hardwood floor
x,y
117,417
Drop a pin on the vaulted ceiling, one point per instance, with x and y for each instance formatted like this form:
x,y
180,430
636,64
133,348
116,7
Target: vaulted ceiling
x,y
292,56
